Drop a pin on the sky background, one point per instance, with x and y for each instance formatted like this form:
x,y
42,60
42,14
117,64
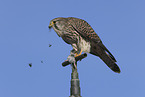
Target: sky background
x,y
25,38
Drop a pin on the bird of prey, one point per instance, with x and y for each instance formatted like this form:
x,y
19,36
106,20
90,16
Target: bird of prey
x,y
78,33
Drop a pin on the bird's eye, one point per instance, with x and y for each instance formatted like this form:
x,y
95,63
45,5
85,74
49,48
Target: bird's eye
x,y
54,22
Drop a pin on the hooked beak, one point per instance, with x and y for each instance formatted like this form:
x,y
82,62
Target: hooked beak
x,y
50,25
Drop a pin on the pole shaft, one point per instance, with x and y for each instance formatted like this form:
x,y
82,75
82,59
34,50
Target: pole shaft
x,y
75,84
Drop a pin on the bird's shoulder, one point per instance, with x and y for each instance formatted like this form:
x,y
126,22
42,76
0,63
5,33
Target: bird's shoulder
x,y
84,29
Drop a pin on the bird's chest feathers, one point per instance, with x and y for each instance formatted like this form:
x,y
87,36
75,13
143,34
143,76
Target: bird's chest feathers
x,y
84,45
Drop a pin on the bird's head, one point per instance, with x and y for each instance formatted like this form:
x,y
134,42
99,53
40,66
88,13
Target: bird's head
x,y
58,24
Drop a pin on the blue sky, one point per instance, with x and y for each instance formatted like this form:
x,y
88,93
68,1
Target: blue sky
x,y
25,38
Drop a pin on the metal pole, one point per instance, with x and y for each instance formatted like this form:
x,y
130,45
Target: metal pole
x,y
75,90
75,84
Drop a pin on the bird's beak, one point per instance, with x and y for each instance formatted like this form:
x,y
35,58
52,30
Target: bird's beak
x,y
50,25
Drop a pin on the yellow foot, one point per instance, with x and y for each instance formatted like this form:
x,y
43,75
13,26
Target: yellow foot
x,y
78,54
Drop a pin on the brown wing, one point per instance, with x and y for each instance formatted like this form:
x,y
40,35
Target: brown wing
x,y
87,32
84,29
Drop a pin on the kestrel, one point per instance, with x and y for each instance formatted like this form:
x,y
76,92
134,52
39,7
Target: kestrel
x,y
82,37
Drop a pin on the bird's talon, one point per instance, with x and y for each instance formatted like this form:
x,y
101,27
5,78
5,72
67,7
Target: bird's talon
x,y
78,54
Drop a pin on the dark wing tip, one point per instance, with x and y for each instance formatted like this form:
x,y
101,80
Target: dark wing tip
x,y
116,69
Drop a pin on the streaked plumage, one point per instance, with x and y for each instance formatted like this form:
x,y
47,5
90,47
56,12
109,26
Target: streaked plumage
x,y
82,37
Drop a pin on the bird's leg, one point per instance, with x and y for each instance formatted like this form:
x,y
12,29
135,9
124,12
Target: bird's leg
x,y
78,54
76,49
71,58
